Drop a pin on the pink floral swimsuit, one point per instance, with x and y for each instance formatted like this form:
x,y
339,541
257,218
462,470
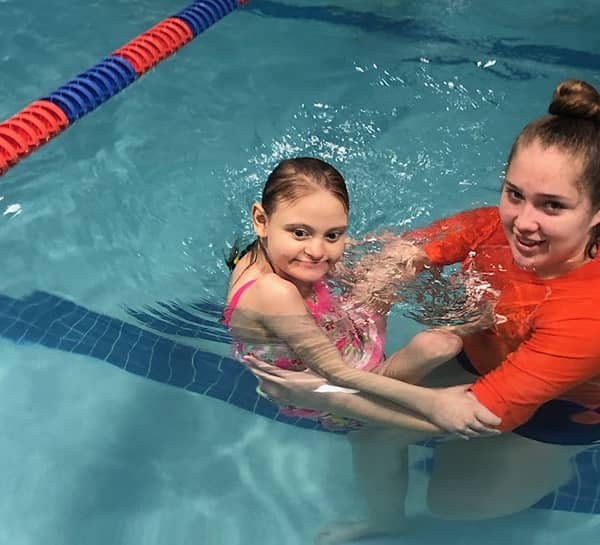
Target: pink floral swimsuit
x,y
357,334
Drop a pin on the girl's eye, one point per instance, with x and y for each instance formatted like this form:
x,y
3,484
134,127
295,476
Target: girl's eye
x,y
299,233
554,206
334,236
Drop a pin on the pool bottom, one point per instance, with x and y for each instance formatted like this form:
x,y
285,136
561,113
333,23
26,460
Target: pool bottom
x,y
48,320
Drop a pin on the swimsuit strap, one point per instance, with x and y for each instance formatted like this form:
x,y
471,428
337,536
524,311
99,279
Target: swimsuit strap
x,y
318,308
235,300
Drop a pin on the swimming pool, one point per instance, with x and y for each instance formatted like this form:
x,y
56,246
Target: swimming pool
x,y
417,105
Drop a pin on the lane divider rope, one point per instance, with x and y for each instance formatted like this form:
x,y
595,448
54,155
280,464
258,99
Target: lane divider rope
x,y
42,120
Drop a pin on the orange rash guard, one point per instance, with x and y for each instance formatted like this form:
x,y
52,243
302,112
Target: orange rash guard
x,y
548,346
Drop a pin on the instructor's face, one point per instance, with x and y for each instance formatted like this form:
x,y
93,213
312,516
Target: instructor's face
x,y
546,214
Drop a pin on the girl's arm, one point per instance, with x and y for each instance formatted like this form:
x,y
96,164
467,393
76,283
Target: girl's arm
x,y
377,276
375,279
284,314
301,389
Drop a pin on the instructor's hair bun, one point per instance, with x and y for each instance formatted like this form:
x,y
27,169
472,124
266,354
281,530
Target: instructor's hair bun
x,y
575,98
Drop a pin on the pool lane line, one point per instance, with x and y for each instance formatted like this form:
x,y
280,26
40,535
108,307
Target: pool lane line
x,y
42,120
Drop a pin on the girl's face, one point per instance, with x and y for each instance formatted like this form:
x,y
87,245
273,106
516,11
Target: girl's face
x,y
545,213
304,238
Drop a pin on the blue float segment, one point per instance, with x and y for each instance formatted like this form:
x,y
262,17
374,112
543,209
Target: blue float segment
x,y
204,13
196,21
106,77
87,91
94,84
123,68
70,109
222,7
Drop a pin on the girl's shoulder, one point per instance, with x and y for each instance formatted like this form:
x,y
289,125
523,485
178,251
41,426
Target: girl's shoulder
x,y
272,285
265,292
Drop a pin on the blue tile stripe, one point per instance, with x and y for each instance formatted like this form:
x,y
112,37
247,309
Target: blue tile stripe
x,y
173,318
48,320
45,319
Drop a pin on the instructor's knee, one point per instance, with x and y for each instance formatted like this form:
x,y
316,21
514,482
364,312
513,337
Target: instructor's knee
x,y
454,503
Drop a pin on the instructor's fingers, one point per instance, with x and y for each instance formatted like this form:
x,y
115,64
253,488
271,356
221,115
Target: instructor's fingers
x,y
483,414
479,430
486,417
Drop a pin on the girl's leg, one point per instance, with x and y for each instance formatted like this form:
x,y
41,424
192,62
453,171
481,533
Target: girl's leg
x,y
496,476
380,460
428,349
421,355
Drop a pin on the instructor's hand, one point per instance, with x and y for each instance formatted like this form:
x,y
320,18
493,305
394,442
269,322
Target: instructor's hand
x,y
456,410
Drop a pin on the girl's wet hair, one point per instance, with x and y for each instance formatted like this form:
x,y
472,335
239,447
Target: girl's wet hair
x,y
573,126
289,181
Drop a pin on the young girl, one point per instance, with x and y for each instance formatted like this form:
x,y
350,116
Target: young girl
x,y
282,310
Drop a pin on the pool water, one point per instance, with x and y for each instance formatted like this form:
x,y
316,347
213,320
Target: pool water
x,y
134,205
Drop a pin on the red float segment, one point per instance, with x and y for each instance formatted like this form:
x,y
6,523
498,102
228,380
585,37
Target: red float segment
x,y
178,28
54,120
28,129
9,152
152,46
140,55
24,129
13,139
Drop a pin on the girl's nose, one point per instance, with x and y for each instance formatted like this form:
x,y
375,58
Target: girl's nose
x,y
315,249
526,219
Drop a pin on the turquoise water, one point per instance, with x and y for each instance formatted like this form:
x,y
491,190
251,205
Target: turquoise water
x,y
417,105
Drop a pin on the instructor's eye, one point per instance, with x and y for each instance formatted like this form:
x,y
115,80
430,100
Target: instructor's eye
x,y
513,194
554,206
